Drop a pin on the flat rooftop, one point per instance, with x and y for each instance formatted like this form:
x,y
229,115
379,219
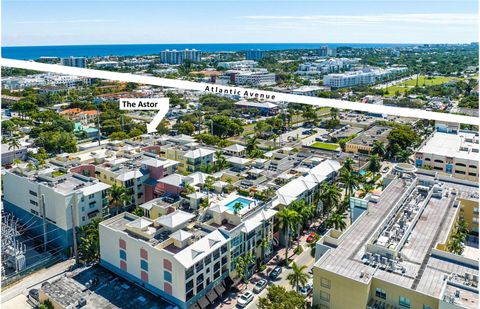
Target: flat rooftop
x,y
462,146
417,270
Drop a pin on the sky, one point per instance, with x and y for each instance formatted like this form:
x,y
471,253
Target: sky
x,y
72,22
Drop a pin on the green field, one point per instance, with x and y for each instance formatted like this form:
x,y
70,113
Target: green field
x,y
325,146
422,82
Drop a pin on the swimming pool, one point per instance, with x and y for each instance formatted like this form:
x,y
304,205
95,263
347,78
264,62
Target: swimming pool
x,y
245,203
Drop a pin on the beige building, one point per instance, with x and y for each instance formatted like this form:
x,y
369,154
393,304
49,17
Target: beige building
x,y
363,143
389,256
452,154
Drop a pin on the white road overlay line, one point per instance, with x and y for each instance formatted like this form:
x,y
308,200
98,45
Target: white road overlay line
x,y
187,85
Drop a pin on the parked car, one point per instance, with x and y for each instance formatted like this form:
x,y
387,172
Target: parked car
x,y
306,290
385,169
275,272
245,299
260,285
311,237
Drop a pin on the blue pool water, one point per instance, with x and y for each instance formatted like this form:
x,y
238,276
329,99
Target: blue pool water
x,y
245,202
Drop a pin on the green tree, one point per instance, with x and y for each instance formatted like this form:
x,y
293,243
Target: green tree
x,y
89,245
118,197
242,264
13,144
288,220
350,180
298,277
186,127
237,207
374,164
278,297
379,148
329,196
337,221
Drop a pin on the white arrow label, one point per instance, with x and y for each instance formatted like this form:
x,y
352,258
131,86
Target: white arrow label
x,y
160,104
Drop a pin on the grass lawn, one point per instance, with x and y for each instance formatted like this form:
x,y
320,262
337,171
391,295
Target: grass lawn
x,y
422,82
325,146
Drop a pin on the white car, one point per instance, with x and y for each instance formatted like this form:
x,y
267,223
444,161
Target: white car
x,y
260,285
245,299
306,290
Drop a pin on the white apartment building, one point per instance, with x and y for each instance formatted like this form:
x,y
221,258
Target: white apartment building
x,y
325,66
45,200
453,154
254,78
187,261
363,77
238,65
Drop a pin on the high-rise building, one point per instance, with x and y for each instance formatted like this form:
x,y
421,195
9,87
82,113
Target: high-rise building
x,y
254,54
179,56
78,62
325,51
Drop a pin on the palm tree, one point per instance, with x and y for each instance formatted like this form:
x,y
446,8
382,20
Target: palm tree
x,y
374,164
379,148
204,203
330,196
117,197
288,220
237,207
208,184
14,144
348,164
298,277
17,161
251,144
220,161
350,180
456,243
242,263
337,221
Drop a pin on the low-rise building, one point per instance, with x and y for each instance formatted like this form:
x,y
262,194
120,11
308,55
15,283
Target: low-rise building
x,y
453,154
393,255
363,143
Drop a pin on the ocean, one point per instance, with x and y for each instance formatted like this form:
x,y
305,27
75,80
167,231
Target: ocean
x,y
35,52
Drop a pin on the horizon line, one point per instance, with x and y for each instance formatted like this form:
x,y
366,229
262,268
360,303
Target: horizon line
x,y
232,43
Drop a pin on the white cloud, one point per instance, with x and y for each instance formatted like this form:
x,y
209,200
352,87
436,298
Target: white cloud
x,y
433,19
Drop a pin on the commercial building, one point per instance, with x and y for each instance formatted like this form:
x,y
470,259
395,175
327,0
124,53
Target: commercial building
x,y
254,78
78,62
393,255
254,54
179,56
453,154
363,143
50,201
265,108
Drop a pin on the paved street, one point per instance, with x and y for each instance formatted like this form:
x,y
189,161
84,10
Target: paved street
x,y
303,259
36,278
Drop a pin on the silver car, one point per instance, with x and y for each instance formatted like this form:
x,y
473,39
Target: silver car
x,y
245,299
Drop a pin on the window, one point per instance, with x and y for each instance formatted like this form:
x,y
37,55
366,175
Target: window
x,y
33,202
189,285
324,282
123,255
92,204
324,296
144,265
404,302
91,196
83,218
168,266
144,276
380,293
427,307
32,193
167,276
83,208
189,273
122,244
144,254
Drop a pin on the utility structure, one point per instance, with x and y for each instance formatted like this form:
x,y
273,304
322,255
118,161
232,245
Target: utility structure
x,y
13,250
